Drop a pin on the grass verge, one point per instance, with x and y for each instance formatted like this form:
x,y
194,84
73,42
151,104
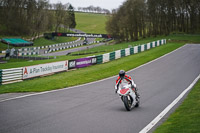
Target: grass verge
x,y
186,118
89,74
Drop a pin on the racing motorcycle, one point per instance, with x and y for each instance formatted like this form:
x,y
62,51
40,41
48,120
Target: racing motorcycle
x,y
128,96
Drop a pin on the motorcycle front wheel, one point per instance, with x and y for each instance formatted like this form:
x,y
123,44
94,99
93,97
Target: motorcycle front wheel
x,y
127,103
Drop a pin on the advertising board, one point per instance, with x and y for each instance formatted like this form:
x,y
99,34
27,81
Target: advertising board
x,y
83,62
43,69
88,35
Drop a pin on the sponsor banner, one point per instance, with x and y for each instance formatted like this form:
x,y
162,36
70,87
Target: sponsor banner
x,y
88,35
83,62
43,69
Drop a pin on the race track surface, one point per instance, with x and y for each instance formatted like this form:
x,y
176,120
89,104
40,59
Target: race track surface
x,y
95,108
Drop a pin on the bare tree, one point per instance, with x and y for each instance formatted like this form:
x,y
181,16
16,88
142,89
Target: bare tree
x,y
59,15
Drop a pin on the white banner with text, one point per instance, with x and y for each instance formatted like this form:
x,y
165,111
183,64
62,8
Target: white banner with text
x,y
44,69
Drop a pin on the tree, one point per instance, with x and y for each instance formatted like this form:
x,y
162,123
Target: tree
x,y
33,17
71,17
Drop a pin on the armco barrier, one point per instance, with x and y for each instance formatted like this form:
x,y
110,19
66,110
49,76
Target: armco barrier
x,y
16,74
128,51
11,75
35,50
62,48
66,47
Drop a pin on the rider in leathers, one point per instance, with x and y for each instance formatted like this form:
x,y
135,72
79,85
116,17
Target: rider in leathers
x,y
123,76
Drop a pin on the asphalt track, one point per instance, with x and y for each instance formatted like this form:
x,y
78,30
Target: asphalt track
x,y
95,108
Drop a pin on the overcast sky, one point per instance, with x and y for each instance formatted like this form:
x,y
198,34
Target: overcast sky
x,y
107,4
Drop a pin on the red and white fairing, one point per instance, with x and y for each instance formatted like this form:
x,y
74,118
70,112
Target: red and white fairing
x,y
124,89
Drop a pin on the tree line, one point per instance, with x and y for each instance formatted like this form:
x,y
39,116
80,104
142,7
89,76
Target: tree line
x,y
33,17
144,18
93,9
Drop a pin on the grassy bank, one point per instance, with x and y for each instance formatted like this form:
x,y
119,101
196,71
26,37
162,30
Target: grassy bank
x,y
186,118
88,74
90,23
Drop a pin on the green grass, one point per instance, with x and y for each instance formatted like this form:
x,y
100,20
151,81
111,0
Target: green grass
x,y
88,74
186,118
188,38
90,23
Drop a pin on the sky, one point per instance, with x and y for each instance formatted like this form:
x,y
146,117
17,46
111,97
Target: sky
x,y
107,4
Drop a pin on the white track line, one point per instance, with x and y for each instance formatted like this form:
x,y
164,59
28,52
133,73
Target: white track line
x,y
168,108
90,82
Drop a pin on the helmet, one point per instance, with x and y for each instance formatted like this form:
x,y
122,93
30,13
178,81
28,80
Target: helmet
x,y
122,74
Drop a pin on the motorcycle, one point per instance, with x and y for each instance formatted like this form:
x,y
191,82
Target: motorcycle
x,y
128,96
